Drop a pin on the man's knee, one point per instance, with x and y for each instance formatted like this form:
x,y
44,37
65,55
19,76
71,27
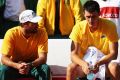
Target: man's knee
x,y
3,68
113,66
71,67
45,67
4,72
43,71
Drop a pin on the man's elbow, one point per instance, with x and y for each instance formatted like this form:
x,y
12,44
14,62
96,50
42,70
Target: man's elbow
x,y
114,55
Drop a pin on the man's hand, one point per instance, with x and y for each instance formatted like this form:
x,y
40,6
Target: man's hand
x,y
23,68
85,68
96,67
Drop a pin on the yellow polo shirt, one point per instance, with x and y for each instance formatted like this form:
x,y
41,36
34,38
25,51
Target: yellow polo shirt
x,y
22,49
71,12
105,33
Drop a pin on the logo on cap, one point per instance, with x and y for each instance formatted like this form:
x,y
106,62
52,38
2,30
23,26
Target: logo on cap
x,y
28,15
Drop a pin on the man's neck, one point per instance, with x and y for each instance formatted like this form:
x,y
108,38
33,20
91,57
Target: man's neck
x,y
93,29
25,34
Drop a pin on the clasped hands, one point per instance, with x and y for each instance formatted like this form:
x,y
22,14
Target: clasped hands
x,y
23,67
87,68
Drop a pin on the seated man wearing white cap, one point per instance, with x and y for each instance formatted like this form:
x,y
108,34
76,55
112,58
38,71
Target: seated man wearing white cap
x,y
24,50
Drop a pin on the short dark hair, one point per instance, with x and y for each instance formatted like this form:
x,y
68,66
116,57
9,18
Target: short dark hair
x,y
91,6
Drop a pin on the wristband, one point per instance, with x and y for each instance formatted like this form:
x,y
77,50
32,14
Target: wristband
x,y
30,64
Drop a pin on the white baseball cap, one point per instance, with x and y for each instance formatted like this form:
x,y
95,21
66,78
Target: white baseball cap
x,y
29,15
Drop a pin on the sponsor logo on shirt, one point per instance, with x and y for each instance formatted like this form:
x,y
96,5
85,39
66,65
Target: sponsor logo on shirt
x,y
103,36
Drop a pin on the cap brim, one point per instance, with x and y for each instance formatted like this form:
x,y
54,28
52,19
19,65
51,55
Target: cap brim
x,y
36,19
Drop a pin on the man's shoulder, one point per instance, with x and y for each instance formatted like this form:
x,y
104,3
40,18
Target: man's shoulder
x,y
107,23
13,30
80,27
104,20
12,33
41,34
41,31
81,24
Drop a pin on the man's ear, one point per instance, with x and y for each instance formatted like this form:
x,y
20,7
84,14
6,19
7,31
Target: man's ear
x,y
84,13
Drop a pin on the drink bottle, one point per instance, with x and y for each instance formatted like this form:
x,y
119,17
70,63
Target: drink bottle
x,y
91,75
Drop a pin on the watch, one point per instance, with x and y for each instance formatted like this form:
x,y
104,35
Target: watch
x,y
30,64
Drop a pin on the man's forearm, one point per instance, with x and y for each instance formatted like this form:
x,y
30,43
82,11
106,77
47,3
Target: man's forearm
x,y
106,59
76,59
113,47
8,62
38,61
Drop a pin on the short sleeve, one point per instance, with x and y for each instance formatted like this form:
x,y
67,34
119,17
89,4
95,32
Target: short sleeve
x,y
76,34
112,34
43,42
8,45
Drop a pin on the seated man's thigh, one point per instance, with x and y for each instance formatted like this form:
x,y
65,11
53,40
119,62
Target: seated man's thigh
x,y
112,68
7,73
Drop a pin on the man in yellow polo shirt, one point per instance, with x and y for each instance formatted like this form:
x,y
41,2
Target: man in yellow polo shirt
x,y
59,16
24,50
97,32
